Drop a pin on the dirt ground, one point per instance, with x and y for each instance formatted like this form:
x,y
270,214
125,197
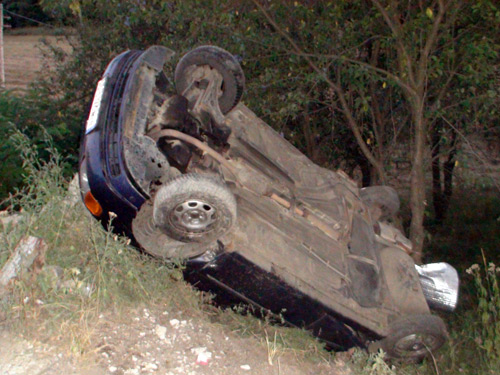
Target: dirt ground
x,y
158,342
24,57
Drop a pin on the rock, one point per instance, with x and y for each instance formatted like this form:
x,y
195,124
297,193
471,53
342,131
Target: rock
x,y
30,251
203,356
150,366
161,332
73,194
132,371
174,323
10,220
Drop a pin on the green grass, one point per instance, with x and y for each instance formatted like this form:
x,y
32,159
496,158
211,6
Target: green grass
x,y
89,270
97,269
270,331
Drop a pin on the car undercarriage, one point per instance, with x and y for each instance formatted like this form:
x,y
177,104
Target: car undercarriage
x,y
254,218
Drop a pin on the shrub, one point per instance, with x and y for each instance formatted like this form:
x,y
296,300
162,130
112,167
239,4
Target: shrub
x,y
38,118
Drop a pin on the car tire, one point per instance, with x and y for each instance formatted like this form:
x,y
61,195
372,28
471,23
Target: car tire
x,y
222,61
385,197
194,208
156,243
413,337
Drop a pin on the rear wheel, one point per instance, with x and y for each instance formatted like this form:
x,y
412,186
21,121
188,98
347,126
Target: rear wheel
x,y
233,79
413,337
194,208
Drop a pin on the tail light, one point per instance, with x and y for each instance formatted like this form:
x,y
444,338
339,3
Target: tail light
x,y
92,204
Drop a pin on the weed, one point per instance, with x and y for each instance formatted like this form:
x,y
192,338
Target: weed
x,y
273,348
87,269
488,310
371,364
269,329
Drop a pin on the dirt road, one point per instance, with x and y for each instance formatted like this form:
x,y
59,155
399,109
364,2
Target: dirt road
x,y
159,342
24,57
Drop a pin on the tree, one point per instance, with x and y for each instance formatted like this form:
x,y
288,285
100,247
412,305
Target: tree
x,y
416,54
344,80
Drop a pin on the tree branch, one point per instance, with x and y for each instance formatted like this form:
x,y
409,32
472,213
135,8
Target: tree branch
x,y
429,43
338,89
397,32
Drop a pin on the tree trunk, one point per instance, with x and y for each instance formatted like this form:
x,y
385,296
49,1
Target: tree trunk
x,y
448,168
437,193
442,187
366,171
417,193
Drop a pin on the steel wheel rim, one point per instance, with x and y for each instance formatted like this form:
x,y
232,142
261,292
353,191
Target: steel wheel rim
x,y
415,344
193,215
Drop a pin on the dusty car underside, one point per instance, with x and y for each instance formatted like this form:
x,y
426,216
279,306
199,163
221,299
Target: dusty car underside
x,y
217,179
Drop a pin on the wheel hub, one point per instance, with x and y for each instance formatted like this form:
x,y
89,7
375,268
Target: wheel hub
x,y
416,344
193,215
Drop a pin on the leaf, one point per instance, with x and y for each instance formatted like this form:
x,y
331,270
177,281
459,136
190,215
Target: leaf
x,y
75,8
429,13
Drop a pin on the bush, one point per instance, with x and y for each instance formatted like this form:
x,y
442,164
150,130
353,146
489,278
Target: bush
x,y
38,118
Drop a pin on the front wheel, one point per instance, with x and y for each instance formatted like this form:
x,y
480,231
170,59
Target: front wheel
x,y
156,243
413,337
195,208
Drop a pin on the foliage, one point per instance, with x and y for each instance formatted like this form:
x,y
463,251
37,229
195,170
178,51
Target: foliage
x,y
371,364
35,117
348,41
27,8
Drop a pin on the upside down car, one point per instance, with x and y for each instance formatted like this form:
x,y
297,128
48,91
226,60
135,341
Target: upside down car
x,y
194,175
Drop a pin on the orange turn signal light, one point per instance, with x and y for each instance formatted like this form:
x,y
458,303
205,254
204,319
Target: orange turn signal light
x,y
92,204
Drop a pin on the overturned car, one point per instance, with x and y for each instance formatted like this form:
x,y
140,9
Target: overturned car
x,y
194,175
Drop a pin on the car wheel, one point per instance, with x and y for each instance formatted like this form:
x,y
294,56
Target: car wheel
x,y
225,64
154,242
194,208
385,197
413,337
